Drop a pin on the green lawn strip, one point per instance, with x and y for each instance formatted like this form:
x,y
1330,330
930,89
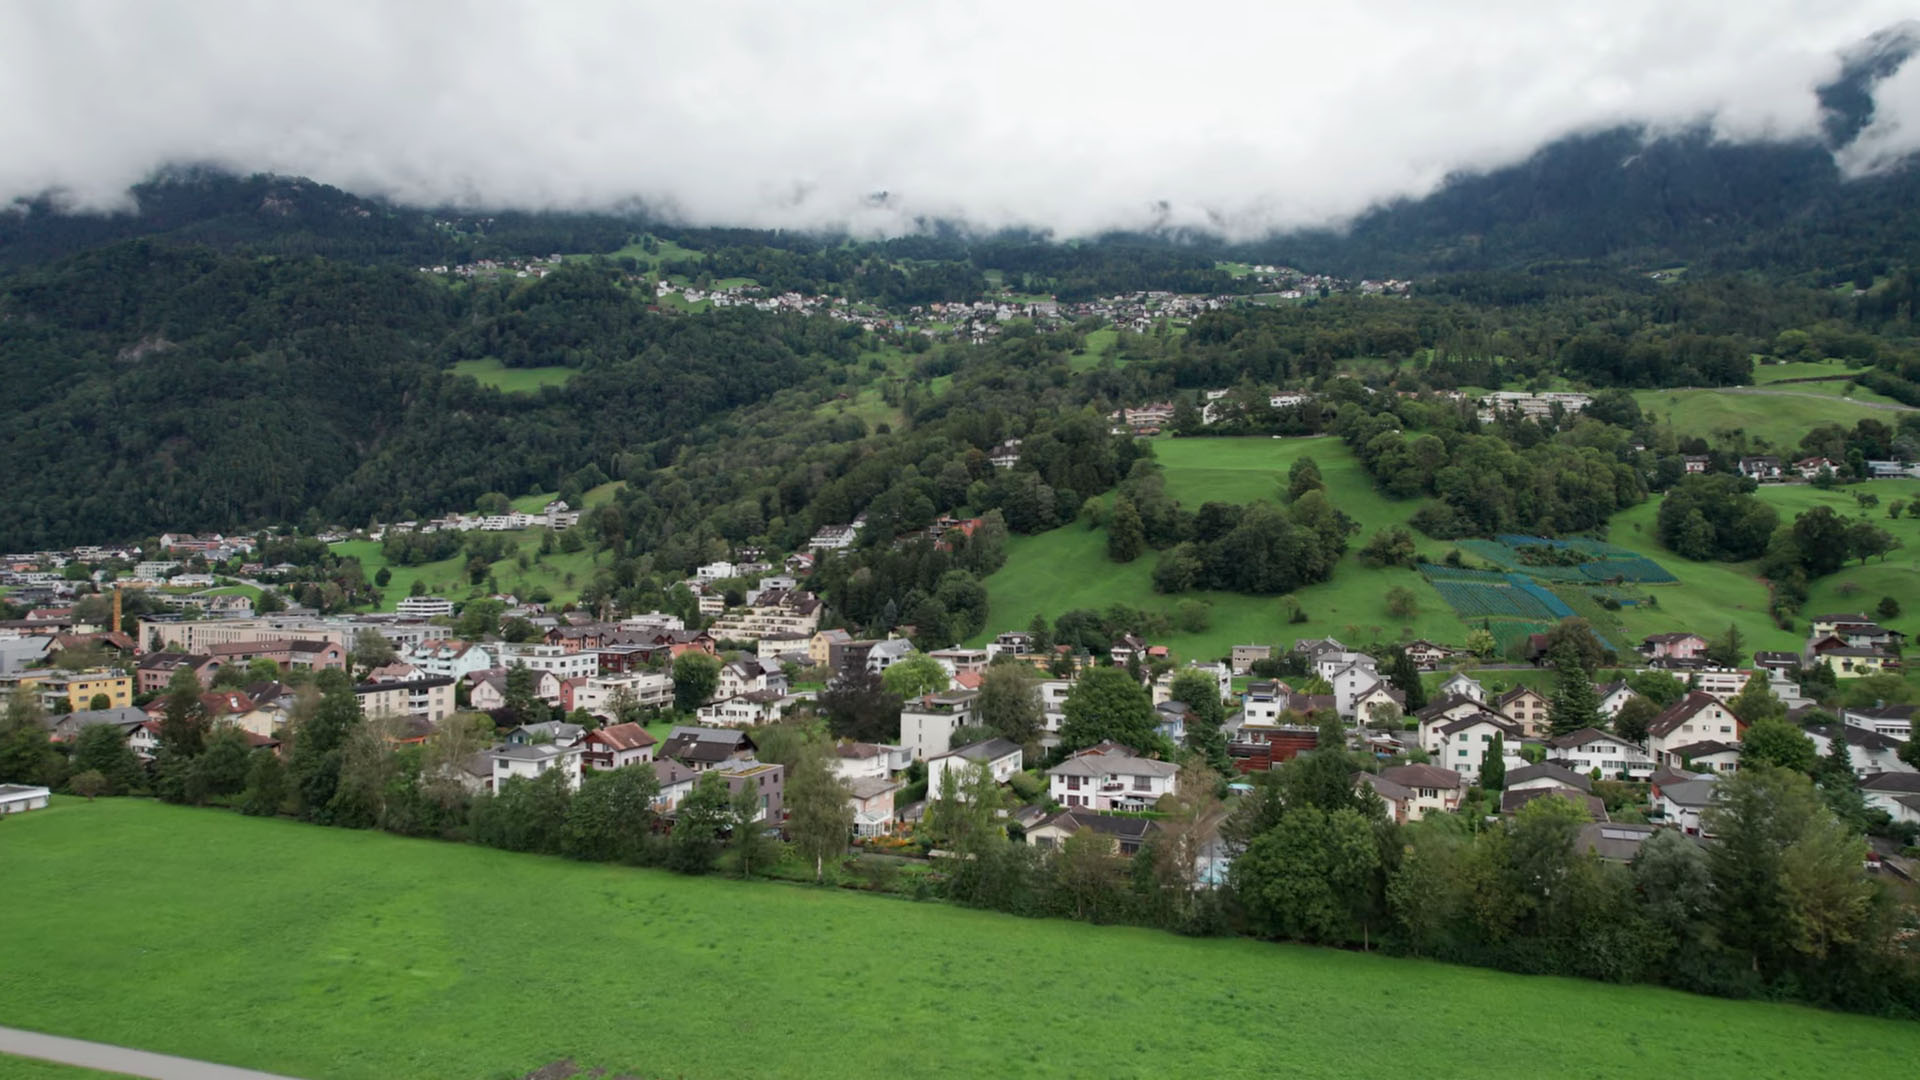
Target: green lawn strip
x,y
1781,419
361,955
491,372
448,577
1800,369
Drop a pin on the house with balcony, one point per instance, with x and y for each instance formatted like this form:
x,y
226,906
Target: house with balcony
x,y
1116,781
1001,757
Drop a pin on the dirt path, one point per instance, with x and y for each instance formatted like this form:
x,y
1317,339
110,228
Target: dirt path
x,y
119,1059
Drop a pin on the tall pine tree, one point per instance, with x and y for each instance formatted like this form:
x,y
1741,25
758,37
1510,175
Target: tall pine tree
x,y
1575,705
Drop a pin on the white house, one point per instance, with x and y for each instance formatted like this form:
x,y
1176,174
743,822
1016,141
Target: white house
x,y
1893,721
1590,748
927,725
552,658
1896,793
1462,745
1699,717
1464,685
715,571
529,760
1414,791
1111,781
1682,802
1868,752
854,760
618,746
1349,682
1614,697
1001,757
424,607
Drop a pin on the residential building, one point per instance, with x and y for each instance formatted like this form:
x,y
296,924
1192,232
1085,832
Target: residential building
x,y
1763,468
649,689
1868,751
1245,656
1463,745
855,760
530,760
1681,803
776,611
703,748
927,725
1001,757
431,699
449,659
551,658
1893,721
1677,646
872,800
558,732
1125,834
424,607
1590,748
1526,707
1896,793
1696,718
617,746
1462,685
154,671
1115,781
1613,697
1414,791
821,645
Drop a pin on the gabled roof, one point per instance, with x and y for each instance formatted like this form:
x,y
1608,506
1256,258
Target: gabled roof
x,y
985,750
1558,773
1507,727
867,787
1113,764
1871,741
622,737
1422,776
1512,801
1445,703
1704,748
1584,736
1120,826
1386,788
1903,782
1681,711
1516,694
1689,792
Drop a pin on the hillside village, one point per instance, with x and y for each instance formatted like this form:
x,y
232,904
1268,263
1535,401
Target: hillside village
x,y
1432,728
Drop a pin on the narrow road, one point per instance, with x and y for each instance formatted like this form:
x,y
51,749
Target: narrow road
x,y
1763,392
119,1059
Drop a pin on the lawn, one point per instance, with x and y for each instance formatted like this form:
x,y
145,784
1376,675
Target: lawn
x,y
1800,369
1068,568
361,955
20,1068
491,372
1781,419
1712,595
448,577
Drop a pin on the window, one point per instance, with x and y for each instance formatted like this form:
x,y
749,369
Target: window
x,y
1073,783
1463,751
1486,738
1142,783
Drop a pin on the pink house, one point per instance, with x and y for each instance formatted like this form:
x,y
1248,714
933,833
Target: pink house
x,y
1673,647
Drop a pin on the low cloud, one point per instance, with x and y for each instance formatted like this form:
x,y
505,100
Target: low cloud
x,y
1071,116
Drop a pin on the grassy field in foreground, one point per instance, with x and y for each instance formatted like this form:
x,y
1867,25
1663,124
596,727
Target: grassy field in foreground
x,y
360,955
491,372
1068,568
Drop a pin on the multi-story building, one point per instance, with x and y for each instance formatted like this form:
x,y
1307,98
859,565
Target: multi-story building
x,y
551,658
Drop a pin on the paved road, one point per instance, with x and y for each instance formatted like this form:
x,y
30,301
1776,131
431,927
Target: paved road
x,y
119,1059
1762,392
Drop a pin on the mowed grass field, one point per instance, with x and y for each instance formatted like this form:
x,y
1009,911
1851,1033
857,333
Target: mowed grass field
x,y
1068,568
1781,418
491,372
361,956
1712,595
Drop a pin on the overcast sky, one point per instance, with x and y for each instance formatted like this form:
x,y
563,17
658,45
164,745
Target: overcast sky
x,y
1070,115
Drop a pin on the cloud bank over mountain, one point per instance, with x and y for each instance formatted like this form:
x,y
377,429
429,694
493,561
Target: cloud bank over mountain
x,y
1073,116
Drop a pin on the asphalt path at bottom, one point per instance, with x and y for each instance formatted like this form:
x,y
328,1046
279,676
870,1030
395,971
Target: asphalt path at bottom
x,y
120,1059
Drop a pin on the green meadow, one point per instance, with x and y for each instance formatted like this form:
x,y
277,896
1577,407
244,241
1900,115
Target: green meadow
x,y
1782,419
1068,567
362,956
491,372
